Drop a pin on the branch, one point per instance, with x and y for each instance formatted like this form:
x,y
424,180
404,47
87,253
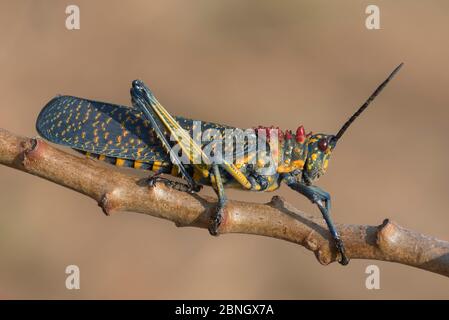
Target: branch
x,y
116,191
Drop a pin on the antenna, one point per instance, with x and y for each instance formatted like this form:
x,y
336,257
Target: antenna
x,y
366,104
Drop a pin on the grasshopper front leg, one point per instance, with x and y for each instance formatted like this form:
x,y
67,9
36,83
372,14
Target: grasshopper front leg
x,y
318,197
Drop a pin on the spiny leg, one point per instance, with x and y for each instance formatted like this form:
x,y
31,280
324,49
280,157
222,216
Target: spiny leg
x,y
185,141
160,117
318,196
217,218
139,102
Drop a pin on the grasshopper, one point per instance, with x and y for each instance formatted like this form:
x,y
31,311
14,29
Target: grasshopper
x,y
144,136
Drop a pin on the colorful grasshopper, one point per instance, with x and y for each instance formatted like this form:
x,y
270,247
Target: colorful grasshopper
x,y
139,137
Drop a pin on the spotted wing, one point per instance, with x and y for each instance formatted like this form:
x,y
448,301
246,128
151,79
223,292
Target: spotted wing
x,y
114,130
101,128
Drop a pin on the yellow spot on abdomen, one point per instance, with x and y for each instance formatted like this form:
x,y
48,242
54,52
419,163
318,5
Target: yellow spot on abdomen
x,y
137,164
156,166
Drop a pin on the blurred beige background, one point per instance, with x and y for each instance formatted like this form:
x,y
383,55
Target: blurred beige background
x,y
242,63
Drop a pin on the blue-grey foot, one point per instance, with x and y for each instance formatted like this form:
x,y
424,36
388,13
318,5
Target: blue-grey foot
x,y
344,260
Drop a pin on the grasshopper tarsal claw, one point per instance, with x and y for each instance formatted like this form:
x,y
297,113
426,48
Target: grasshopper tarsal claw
x,y
344,260
215,221
153,180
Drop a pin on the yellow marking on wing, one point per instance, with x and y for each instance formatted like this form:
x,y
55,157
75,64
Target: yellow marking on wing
x,y
314,156
101,157
325,164
139,152
119,162
88,154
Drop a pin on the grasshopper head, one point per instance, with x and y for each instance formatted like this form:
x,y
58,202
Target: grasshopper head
x,y
319,149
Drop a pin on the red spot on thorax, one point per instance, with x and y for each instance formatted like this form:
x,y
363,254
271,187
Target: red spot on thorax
x,y
300,134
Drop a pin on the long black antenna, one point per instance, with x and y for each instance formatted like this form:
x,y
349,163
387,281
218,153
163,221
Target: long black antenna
x,y
366,104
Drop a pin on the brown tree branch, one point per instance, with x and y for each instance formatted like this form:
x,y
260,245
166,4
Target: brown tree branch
x,y
116,191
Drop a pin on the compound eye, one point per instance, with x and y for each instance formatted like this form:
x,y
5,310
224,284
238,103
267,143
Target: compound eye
x,y
323,144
